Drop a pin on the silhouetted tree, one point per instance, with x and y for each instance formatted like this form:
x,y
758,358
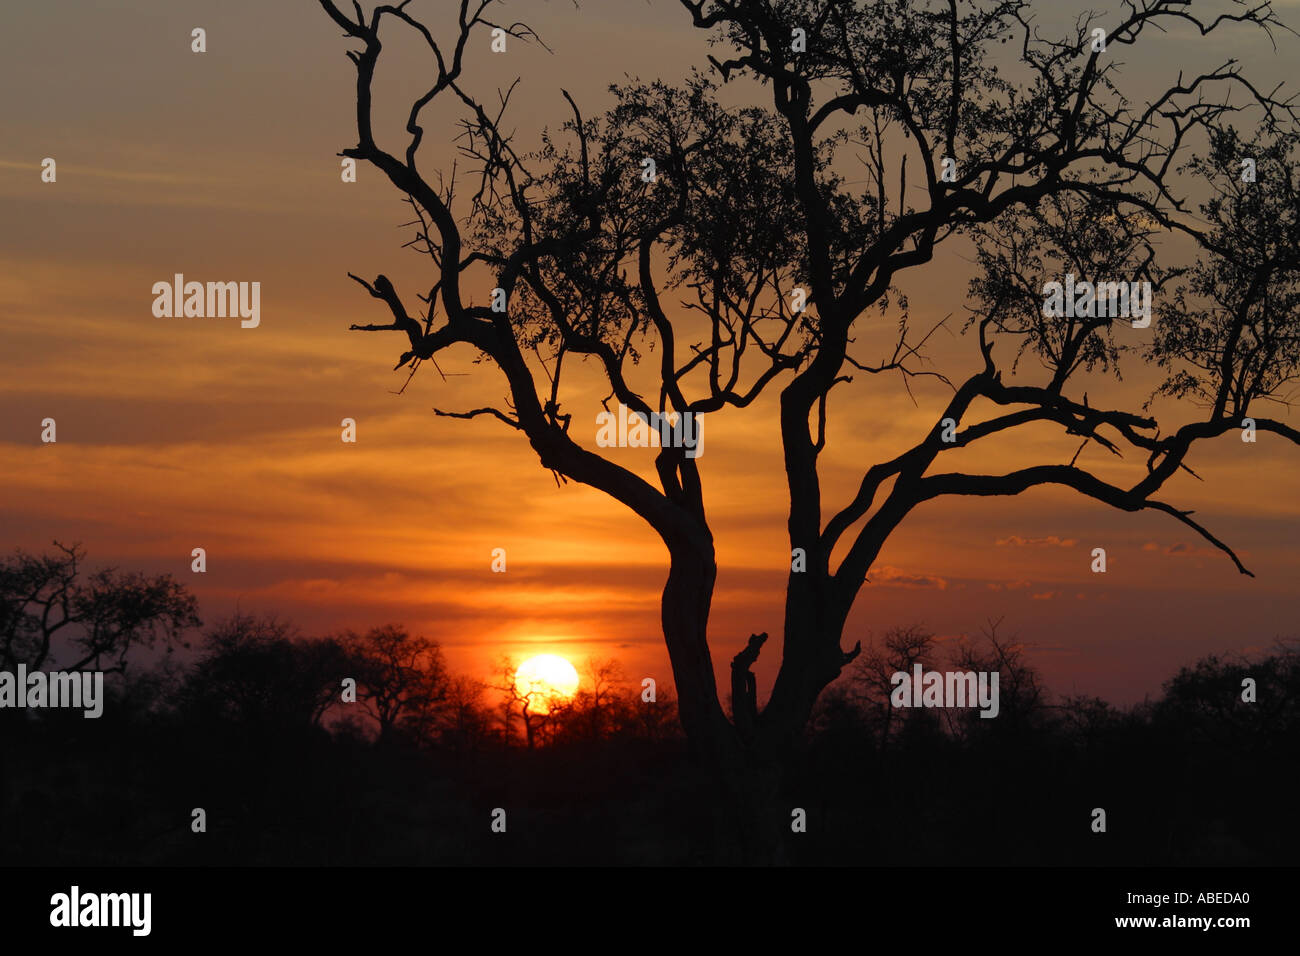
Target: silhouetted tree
x,y
1209,698
748,207
51,612
599,694
1088,719
649,719
522,703
870,678
401,679
256,672
1021,697
465,720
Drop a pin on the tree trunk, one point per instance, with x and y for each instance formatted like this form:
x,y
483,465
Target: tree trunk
x,y
756,822
752,825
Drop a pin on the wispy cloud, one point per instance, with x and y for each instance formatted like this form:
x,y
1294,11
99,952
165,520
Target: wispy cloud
x,y
1050,541
122,175
1009,585
893,577
1179,549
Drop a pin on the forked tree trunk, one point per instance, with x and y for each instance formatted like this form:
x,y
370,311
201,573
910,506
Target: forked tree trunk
x,y
745,760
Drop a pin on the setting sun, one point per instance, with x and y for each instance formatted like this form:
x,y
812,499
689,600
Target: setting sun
x,y
545,680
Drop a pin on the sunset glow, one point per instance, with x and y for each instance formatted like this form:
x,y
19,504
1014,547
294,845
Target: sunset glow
x,y
178,433
546,680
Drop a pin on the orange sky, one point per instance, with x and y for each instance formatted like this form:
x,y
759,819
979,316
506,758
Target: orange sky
x,y
183,433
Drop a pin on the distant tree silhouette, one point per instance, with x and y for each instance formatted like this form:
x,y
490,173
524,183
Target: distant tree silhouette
x,y
648,720
401,679
596,701
53,613
750,206
1088,719
513,704
465,721
1021,697
869,679
1209,697
257,672
868,683
536,707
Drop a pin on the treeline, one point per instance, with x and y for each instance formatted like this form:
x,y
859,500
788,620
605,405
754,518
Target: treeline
x,y
356,747
390,686
383,683
251,727
1204,774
